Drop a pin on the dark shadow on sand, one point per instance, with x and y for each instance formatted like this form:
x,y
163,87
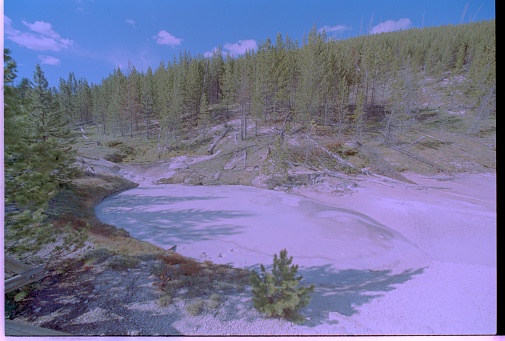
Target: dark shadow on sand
x,y
344,291
338,292
168,227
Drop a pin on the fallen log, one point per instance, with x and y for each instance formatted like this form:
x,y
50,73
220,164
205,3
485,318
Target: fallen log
x,y
212,146
335,156
416,157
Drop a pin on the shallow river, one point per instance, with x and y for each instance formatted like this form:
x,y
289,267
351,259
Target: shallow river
x,y
246,226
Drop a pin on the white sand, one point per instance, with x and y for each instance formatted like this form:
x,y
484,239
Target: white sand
x,y
402,260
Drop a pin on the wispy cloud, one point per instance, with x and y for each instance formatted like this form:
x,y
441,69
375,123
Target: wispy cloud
x,y
43,28
42,37
165,38
240,47
48,60
334,29
391,25
80,7
131,22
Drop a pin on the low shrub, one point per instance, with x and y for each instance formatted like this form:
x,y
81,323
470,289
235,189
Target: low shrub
x,y
113,143
115,157
121,262
214,301
96,256
165,300
196,307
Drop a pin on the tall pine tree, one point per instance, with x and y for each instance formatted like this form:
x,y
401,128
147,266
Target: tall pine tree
x,y
37,161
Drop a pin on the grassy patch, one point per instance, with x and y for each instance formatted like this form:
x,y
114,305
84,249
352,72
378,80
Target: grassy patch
x,y
125,245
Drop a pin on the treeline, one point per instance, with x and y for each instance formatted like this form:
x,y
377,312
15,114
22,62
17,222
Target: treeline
x,y
342,84
329,82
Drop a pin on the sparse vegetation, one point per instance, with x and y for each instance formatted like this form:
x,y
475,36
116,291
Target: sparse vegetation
x,y
185,278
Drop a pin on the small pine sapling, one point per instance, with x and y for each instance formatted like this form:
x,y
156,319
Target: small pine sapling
x,y
278,294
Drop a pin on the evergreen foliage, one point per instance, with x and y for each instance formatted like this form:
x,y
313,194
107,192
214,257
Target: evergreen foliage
x,y
322,80
278,294
38,161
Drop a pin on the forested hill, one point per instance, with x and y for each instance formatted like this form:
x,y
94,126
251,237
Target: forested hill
x,y
323,82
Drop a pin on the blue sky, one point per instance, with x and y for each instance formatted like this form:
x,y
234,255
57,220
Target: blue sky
x,y
92,37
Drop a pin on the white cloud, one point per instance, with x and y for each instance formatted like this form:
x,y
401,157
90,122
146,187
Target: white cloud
x,y
165,38
391,25
334,29
240,47
43,28
44,37
49,60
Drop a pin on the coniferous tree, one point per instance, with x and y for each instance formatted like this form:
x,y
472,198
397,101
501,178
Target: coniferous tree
x,y
244,90
51,132
216,70
265,76
205,116
68,92
147,100
84,102
132,98
230,82
24,88
281,76
193,76
37,162
309,91
278,293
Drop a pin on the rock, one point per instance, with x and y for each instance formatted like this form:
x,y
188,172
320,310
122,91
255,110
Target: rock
x,y
333,315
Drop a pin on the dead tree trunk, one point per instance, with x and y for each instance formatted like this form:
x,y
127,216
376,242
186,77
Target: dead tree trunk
x,y
211,148
335,156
